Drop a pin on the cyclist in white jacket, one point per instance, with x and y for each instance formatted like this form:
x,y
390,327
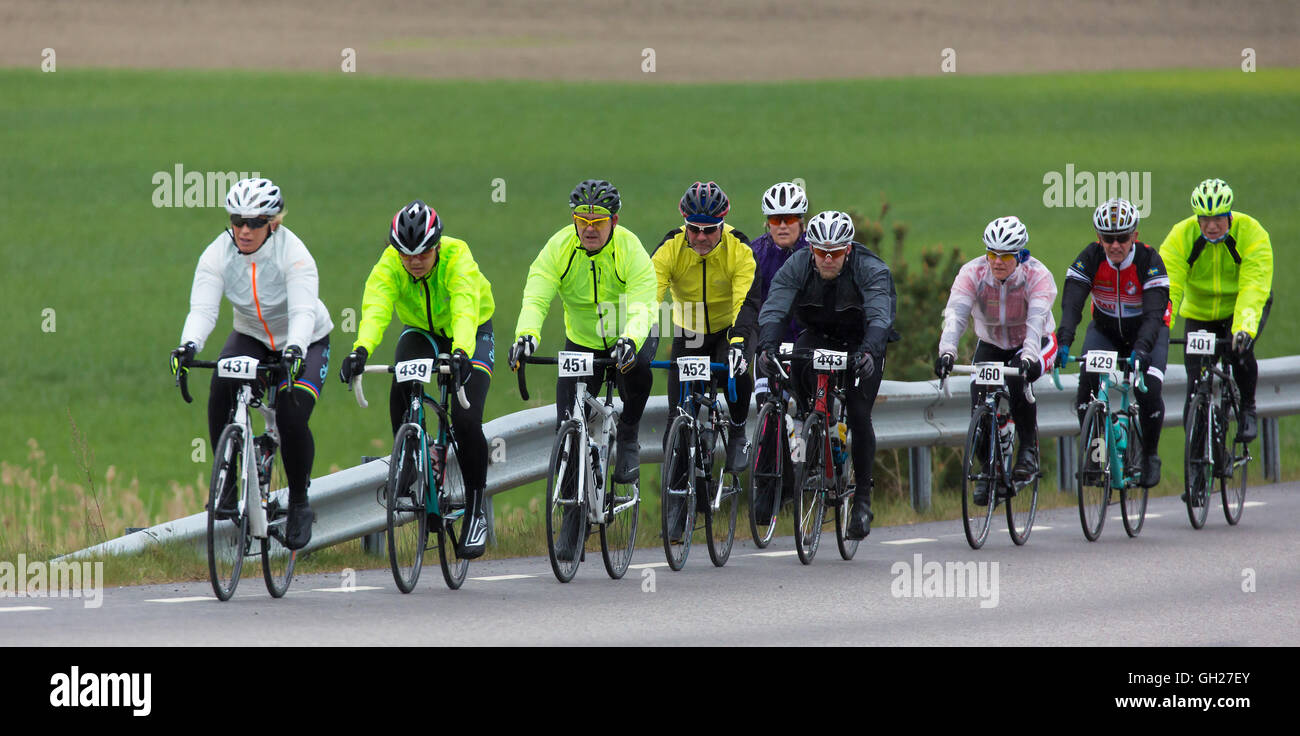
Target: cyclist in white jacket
x,y
271,281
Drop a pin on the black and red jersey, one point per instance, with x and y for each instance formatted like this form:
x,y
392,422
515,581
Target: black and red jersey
x,y
1130,300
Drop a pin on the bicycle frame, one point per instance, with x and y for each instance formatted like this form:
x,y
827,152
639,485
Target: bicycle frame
x,y
1216,393
994,399
257,522
1117,426
689,401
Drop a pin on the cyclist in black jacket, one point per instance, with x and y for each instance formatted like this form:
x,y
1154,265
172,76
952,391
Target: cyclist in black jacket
x,y
1130,314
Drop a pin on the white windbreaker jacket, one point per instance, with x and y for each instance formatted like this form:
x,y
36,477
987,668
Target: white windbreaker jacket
x,y
274,292
1013,314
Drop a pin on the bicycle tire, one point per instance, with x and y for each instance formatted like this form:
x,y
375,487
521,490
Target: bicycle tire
x,y
1133,496
278,561
568,462
1094,471
406,521
1021,510
844,507
227,543
676,482
810,490
618,532
1233,487
765,475
721,536
452,521
977,519
1198,462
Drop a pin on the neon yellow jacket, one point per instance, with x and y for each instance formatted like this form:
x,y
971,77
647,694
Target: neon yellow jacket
x,y
451,301
1215,286
608,295
708,291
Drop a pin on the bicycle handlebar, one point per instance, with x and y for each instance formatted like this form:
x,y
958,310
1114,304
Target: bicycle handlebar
x,y
183,377
1124,363
523,383
443,368
731,379
967,370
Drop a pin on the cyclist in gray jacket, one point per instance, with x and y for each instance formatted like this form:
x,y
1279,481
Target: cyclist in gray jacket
x,y
843,295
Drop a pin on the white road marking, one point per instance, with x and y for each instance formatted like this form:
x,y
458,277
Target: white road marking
x,y
347,589
645,565
789,553
188,599
916,540
15,609
494,578
1251,504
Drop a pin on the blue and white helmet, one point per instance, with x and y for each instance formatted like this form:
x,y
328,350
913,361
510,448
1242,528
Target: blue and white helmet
x,y
254,198
830,229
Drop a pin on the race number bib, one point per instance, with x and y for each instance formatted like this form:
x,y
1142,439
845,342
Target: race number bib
x,y
988,374
1200,343
693,368
240,366
420,369
1100,361
830,360
574,364
787,348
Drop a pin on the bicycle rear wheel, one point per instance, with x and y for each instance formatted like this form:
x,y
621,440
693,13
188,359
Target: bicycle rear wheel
x,y
566,514
844,480
452,522
1198,461
1021,509
677,494
277,560
618,532
765,474
1094,471
720,523
1232,482
228,538
1133,498
981,444
404,503
810,490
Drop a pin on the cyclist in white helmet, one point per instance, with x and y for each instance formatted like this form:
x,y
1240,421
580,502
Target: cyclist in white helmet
x,y
271,281
1009,294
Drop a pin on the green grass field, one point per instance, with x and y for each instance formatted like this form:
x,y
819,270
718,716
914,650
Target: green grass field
x,y
81,236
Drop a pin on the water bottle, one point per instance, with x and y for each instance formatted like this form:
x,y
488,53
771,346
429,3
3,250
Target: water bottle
x,y
1007,437
794,428
839,444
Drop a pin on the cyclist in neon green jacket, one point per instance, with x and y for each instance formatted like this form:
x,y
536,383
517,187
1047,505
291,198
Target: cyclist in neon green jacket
x,y
606,282
1220,265
445,304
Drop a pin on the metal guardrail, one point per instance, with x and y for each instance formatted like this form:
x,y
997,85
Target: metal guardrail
x,y
911,415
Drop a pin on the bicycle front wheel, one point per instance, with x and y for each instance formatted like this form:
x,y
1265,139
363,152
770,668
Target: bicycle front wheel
x,y
1021,509
566,513
1232,482
979,467
720,523
277,560
1094,471
844,479
618,530
1133,496
765,474
810,490
404,501
677,494
228,538
1198,461
452,522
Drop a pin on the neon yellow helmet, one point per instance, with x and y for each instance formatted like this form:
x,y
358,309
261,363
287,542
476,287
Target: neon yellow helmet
x,y
1213,197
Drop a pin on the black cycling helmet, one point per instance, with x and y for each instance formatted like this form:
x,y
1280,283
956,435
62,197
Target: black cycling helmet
x,y
416,229
705,203
595,193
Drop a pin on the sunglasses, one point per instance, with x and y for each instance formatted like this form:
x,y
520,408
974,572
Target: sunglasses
x,y
829,254
1108,239
584,222
1004,257
254,223
775,220
698,229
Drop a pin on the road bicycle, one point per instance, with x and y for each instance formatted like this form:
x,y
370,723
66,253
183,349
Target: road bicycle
x,y
425,487
1110,445
989,457
691,449
770,473
822,459
1211,415
245,469
580,486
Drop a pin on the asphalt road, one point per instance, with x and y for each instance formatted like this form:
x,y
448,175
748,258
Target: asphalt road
x,y
1170,586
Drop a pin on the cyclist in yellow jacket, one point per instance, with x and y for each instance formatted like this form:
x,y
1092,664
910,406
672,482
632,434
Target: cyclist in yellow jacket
x,y
445,304
709,266
1220,265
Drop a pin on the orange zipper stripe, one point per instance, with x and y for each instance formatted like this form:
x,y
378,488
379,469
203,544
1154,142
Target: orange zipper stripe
x,y
258,303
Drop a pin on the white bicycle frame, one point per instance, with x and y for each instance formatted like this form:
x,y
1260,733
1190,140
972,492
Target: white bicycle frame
x,y
587,479
257,525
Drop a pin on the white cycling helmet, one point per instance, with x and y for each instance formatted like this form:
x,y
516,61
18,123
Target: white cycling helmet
x,y
254,198
785,198
1006,235
1115,217
830,228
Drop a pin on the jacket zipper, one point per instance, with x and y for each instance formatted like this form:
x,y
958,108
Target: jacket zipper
x,y
257,302
595,302
704,284
428,306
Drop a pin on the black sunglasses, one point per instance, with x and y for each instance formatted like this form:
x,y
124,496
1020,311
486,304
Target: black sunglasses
x,y
1109,239
256,223
697,229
